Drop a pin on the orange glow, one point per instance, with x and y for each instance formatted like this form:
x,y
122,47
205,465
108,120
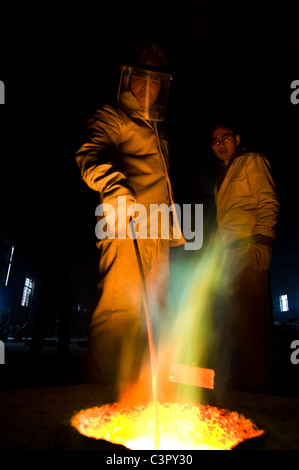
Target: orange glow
x,y
182,426
184,341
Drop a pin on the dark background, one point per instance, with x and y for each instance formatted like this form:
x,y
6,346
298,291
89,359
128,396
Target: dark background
x,y
228,59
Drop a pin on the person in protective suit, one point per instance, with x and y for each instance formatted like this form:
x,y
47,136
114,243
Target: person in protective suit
x,y
125,159
247,210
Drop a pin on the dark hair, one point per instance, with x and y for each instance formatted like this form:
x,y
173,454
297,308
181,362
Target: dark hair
x,y
148,52
235,130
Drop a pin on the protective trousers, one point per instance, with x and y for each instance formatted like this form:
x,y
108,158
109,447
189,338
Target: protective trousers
x,y
245,333
117,333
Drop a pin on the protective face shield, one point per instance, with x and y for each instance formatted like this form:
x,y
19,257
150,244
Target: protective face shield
x,y
144,92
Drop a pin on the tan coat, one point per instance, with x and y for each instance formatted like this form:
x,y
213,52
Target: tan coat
x,y
126,156
247,202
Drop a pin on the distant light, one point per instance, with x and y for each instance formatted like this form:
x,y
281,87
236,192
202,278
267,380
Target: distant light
x,y
27,292
284,303
9,265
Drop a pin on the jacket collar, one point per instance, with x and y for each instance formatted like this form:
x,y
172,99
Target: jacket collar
x,y
223,169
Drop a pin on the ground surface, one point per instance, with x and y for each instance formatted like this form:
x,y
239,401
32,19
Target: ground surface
x,y
39,395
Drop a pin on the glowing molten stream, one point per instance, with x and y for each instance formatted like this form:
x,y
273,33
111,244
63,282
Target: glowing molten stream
x,y
182,426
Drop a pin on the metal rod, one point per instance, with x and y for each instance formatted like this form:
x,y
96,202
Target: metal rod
x,y
152,349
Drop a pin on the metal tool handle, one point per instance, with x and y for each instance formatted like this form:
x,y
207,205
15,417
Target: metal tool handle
x,y
151,343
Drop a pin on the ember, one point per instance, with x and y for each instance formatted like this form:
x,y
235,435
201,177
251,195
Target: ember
x,y
184,342
182,426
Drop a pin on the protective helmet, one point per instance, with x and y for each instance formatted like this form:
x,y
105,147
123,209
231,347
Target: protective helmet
x,y
144,84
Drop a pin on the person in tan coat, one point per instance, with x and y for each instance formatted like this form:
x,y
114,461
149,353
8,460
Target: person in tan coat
x,y
125,159
247,210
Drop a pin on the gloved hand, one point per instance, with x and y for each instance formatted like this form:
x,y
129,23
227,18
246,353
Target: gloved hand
x,y
262,246
262,239
262,255
114,217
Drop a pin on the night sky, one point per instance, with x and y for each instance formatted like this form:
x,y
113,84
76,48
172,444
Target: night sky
x,y
226,61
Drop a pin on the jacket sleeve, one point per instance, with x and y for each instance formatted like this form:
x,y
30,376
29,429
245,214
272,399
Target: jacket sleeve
x,y
267,205
97,158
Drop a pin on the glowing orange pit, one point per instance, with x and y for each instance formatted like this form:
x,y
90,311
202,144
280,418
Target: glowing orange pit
x,y
182,426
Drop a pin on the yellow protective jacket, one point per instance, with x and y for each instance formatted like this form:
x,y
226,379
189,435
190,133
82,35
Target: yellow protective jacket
x,y
246,201
126,156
